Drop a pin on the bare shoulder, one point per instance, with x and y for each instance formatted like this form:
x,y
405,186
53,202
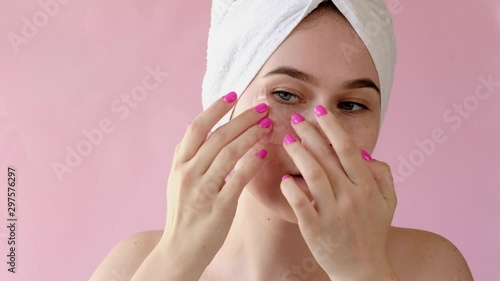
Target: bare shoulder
x,y
423,255
127,255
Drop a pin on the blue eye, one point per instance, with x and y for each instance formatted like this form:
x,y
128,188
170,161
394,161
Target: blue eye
x,y
285,97
350,105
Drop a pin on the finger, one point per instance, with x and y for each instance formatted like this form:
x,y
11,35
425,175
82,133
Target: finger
x,y
226,134
226,160
312,172
383,177
240,178
344,145
320,148
298,200
201,125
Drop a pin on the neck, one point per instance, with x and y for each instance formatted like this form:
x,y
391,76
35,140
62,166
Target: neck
x,y
262,246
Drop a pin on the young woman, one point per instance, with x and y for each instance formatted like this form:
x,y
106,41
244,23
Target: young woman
x,y
331,223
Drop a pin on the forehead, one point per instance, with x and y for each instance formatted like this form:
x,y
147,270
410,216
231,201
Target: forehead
x,y
327,48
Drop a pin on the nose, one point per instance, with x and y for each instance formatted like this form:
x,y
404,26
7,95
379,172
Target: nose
x,y
311,118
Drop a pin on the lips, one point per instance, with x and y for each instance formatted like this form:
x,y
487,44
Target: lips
x,y
301,182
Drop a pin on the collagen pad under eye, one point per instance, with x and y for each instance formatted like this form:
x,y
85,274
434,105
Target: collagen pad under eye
x,y
279,113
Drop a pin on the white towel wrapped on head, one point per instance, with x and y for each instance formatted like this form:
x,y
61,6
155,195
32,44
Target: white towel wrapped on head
x,y
245,33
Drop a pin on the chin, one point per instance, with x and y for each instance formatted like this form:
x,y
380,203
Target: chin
x,y
267,192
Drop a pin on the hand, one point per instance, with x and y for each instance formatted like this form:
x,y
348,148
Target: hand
x,y
347,224
200,203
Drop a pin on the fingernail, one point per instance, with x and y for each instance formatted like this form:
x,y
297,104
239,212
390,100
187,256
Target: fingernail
x,y
366,156
266,122
262,154
230,97
261,107
319,110
289,139
285,177
297,118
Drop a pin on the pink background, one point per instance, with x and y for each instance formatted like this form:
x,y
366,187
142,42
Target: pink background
x,y
66,77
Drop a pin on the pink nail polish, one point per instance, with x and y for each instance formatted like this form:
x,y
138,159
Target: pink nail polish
x,y
320,110
266,122
366,156
230,97
262,154
285,177
297,118
289,139
260,108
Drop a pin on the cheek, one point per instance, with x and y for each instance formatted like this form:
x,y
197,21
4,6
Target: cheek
x,y
245,101
364,132
265,185
269,176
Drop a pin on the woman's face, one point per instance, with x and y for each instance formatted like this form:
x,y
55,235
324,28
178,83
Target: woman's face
x,y
326,49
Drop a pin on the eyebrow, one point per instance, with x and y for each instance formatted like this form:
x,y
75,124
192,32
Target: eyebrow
x,y
297,74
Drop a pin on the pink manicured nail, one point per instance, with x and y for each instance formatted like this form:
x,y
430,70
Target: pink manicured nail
x,y
297,118
320,110
262,154
230,97
261,107
285,177
289,139
266,122
366,156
